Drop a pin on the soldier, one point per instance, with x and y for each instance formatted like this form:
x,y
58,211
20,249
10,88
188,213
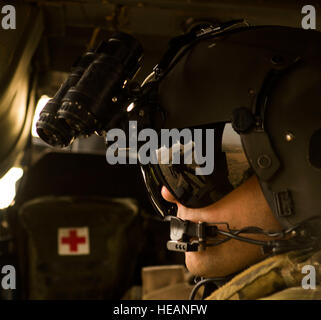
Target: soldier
x,y
259,233
253,223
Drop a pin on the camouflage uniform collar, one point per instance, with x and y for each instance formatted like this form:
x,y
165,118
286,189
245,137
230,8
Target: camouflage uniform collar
x,y
271,275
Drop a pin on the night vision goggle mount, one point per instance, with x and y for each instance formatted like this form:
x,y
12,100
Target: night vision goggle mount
x,y
100,87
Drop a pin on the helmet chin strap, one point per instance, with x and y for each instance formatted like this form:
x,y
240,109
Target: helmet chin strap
x,y
189,236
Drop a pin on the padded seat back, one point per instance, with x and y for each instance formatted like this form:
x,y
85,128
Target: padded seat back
x,y
81,247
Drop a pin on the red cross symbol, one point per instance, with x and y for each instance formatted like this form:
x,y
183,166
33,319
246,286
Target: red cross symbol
x,y
73,240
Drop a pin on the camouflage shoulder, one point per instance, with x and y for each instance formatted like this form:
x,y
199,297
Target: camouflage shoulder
x,y
296,293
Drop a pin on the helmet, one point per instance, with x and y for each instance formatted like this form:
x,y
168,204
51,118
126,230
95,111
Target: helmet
x,y
265,81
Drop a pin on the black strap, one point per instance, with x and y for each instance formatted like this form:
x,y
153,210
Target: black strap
x,y
179,42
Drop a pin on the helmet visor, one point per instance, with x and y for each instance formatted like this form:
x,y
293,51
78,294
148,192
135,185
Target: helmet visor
x,y
196,190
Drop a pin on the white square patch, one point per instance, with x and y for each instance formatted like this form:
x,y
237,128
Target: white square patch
x,y
73,241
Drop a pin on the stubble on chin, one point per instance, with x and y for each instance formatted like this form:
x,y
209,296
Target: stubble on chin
x,y
223,260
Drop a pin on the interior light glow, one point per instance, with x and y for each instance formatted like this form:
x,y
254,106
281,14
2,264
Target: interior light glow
x,y
8,186
130,107
40,104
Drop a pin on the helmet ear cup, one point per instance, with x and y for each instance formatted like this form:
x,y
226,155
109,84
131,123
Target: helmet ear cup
x,y
315,149
292,122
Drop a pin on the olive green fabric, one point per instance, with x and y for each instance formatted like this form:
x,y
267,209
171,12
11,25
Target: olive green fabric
x,y
276,278
115,238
